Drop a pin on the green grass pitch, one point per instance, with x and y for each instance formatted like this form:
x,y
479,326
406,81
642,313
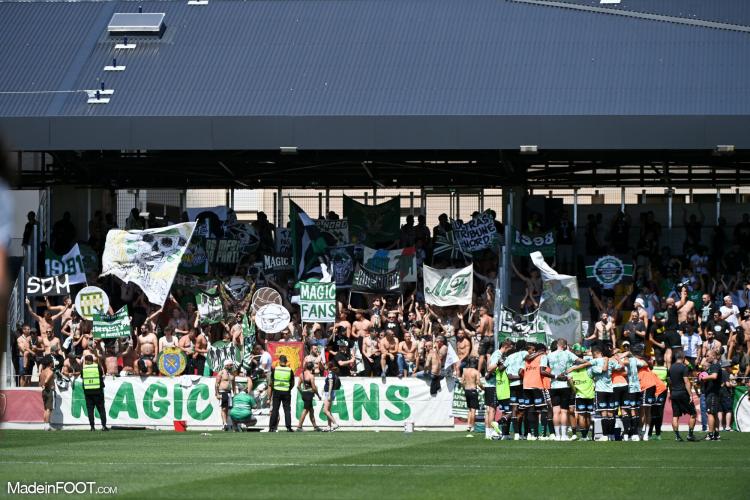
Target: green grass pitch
x,y
384,465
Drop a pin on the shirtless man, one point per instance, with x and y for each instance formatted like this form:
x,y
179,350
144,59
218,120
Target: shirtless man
x,y
66,308
48,340
129,358
187,346
486,330
471,382
343,326
684,307
361,326
640,308
148,349
388,352
225,389
201,350
371,352
463,350
316,359
47,383
407,356
110,359
46,321
26,355
604,332
177,322
71,367
439,353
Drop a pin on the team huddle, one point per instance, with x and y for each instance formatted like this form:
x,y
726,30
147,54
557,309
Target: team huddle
x,y
554,395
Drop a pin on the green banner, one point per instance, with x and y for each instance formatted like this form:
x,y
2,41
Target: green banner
x,y
522,245
317,302
741,409
209,307
112,327
373,224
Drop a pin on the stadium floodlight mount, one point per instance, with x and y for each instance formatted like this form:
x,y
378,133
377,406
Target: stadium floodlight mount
x,y
529,149
288,150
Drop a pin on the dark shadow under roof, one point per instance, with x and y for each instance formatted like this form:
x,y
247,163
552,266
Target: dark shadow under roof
x,y
371,74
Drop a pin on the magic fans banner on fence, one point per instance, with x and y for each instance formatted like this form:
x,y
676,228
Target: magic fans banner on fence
x,y
112,327
477,234
559,306
522,245
741,409
48,287
294,352
71,264
366,281
159,401
373,224
403,261
317,302
448,287
147,258
608,270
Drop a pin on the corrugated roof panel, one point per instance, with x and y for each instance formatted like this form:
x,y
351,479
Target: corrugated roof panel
x,y
384,57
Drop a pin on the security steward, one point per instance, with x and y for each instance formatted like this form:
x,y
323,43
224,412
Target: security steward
x,y
282,381
93,390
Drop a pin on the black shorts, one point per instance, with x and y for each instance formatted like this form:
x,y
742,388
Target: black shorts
x,y
534,398
486,346
472,399
712,404
725,403
560,397
516,395
661,399
48,399
649,397
307,401
681,405
226,399
503,405
619,394
633,400
584,405
605,401
490,396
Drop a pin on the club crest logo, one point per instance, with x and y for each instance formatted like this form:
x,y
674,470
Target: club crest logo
x,y
171,362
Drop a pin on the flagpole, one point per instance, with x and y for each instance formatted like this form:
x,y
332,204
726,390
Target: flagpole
x,y
506,256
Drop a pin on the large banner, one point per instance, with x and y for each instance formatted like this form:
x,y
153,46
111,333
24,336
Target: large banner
x,y
147,258
341,265
317,302
195,258
366,281
294,352
522,245
220,352
560,305
71,264
373,224
741,409
283,242
112,327
159,401
338,229
403,260
448,287
49,287
210,308
529,327
608,270
477,234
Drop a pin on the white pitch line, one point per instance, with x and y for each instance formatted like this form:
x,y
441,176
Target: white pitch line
x,y
405,466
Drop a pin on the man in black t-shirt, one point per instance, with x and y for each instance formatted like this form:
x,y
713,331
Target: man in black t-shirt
x,y
634,330
720,328
657,337
681,395
344,360
706,312
712,381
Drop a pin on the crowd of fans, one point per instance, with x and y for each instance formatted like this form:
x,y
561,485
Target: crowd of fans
x,y
689,306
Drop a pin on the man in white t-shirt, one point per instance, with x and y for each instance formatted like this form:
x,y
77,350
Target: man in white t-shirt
x,y
730,313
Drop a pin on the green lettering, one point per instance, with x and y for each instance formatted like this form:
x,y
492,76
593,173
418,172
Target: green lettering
x,y
178,401
360,401
78,401
199,392
338,407
155,409
392,395
124,400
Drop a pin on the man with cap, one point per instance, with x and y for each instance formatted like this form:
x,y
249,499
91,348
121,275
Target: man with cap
x,y
282,381
225,389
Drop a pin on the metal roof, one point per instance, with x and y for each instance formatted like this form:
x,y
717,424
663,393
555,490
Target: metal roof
x,y
373,74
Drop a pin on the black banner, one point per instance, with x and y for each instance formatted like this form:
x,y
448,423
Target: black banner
x,y
366,281
277,263
48,287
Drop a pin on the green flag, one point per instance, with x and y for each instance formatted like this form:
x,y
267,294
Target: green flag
x,y
373,224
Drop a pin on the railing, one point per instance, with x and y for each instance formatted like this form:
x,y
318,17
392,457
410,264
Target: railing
x,y
16,314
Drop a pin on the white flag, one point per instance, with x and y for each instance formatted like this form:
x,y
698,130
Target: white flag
x,y
71,264
448,287
147,258
451,358
560,305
